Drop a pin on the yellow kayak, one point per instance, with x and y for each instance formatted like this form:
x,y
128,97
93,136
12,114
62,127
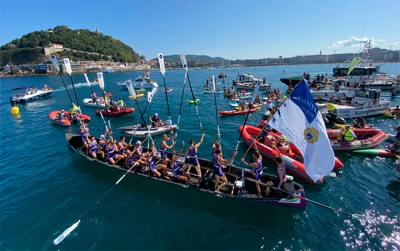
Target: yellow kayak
x,y
138,95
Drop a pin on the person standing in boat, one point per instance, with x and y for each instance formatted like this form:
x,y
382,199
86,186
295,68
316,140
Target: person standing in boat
x,y
85,138
257,170
281,171
164,147
93,147
349,96
191,156
219,164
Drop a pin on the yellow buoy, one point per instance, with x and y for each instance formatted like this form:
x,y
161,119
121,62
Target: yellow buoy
x,y
15,110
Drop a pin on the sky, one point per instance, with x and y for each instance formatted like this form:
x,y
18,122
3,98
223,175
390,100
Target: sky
x,y
233,29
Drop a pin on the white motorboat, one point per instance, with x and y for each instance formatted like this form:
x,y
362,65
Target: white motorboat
x,y
369,105
30,94
248,82
137,131
90,102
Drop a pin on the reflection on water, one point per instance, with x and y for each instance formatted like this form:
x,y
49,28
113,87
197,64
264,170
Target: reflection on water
x,y
372,230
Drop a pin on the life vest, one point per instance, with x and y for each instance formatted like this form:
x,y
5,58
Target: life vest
x,y
74,110
349,137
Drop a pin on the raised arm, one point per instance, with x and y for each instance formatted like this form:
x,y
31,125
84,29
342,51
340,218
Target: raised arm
x,y
201,140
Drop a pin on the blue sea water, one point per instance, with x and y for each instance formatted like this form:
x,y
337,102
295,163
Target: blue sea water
x,y
45,187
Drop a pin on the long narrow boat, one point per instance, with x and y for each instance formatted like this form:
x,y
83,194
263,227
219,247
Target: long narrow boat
x,y
240,188
378,152
136,131
234,112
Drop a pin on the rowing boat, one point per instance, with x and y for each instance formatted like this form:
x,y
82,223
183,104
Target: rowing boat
x,y
241,185
137,131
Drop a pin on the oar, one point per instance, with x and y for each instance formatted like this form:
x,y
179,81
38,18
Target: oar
x,y
216,110
70,229
180,105
57,69
68,69
186,68
162,71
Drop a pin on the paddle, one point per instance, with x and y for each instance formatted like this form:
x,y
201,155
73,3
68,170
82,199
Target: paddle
x,y
60,238
186,68
56,66
68,69
100,79
180,105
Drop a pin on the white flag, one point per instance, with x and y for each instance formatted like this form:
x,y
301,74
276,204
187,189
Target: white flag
x,y
56,66
184,62
302,124
255,93
101,80
213,82
151,94
161,63
67,65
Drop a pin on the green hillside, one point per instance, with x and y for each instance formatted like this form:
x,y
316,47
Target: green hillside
x,y
85,45
195,61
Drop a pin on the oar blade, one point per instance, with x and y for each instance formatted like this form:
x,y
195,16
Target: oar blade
x,y
66,232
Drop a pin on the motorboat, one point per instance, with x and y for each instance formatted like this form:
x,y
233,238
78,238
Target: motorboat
x,y
30,94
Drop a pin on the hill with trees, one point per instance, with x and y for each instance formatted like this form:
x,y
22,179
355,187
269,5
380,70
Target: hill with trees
x,y
80,44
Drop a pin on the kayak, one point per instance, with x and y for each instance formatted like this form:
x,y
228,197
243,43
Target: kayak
x,y
138,95
257,106
142,132
89,102
196,101
366,138
234,113
293,160
119,113
377,152
67,120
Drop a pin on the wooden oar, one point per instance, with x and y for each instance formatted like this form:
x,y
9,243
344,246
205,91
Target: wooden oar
x,y
70,229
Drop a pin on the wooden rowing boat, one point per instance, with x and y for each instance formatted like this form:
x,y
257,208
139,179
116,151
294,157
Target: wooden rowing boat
x,y
241,185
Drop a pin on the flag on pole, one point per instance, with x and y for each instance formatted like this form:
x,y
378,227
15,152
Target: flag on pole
x,y
67,65
184,63
354,63
101,80
161,63
300,121
56,66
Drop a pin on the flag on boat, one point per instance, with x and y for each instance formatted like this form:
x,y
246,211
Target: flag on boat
x,y
153,91
101,80
56,66
161,63
67,65
184,63
354,63
300,121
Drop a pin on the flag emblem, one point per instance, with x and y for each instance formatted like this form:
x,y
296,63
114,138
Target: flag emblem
x,y
311,135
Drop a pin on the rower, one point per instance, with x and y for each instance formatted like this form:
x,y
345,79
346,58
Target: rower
x,y
153,158
191,156
102,146
123,147
85,138
93,148
219,164
281,171
257,170
164,147
61,115
177,169
112,153
347,135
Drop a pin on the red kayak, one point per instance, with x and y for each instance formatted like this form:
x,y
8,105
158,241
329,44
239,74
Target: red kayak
x,y
115,113
366,138
292,158
234,113
67,120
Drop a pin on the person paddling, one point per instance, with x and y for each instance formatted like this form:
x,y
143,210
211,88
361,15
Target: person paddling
x,y
257,170
164,147
191,156
219,164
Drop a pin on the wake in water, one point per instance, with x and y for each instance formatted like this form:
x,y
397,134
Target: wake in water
x,y
77,85
372,231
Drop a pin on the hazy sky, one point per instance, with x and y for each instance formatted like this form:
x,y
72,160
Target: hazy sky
x,y
228,28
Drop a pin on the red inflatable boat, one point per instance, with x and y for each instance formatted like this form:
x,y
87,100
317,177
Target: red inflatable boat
x,y
67,120
234,113
366,138
115,113
292,159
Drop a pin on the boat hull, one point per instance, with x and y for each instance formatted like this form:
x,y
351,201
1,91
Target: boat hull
x,y
119,113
